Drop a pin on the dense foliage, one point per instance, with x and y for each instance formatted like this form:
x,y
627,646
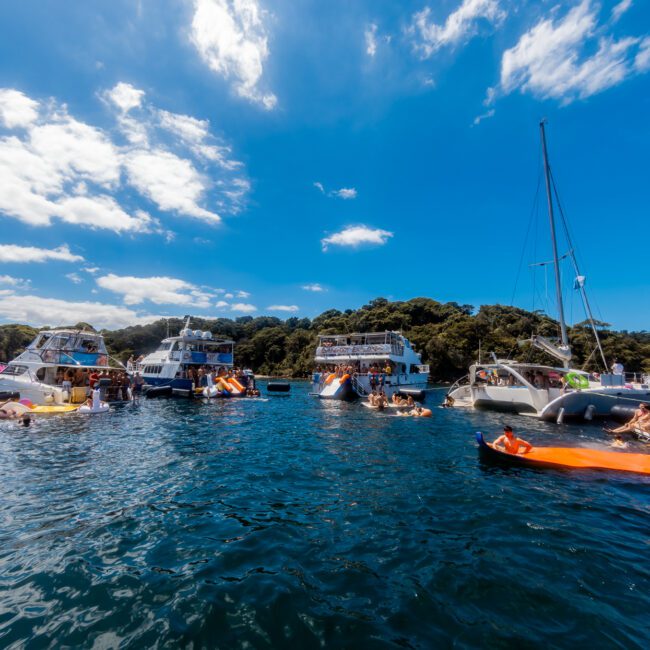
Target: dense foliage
x,y
448,335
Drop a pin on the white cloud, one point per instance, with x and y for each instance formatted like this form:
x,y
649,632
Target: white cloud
x,y
125,96
231,38
160,290
620,9
345,193
169,181
16,109
243,307
319,186
61,168
229,296
642,59
554,60
484,116
74,278
355,236
20,254
16,283
38,311
90,269
221,304
243,294
370,37
460,26
289,308
314,286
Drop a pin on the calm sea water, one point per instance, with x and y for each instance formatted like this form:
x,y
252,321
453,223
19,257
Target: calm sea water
x,y
301,523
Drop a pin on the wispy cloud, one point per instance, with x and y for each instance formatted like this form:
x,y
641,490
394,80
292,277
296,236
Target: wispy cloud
x,y
428,37
356,236
483,116
160,290
314,286
15,283
243,307
75,278
620,9
288,308
344,193
232,39
23,254
569,58
370,37
319,187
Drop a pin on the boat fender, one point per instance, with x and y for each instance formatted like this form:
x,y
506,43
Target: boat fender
x,y
279,387
577,381
8,396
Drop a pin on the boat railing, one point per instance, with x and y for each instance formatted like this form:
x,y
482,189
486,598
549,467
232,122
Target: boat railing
x,y
395,349
358,386
458,383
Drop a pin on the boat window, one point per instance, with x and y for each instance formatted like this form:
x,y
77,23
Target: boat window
x,y
165,346
14,370
40,374
39,341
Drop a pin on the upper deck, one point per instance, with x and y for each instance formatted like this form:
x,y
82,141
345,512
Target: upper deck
x,y
193,347
66,347
359,347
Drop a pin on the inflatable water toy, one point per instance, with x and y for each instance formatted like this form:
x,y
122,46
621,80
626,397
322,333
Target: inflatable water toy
x,y
568,458
25,406
97,405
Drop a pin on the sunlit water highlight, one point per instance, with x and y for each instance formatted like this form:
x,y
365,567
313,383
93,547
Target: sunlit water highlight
x,y
296,522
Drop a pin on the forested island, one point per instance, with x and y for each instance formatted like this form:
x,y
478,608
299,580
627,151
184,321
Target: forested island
x,y
448,336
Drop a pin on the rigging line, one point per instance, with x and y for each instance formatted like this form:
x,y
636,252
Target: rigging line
x,y
531,219
574,260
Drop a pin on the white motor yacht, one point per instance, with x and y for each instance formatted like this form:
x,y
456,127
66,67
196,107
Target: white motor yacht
x,y
351,365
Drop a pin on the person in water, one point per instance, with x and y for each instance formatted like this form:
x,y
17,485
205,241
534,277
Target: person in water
x,y
640,420
511,444
449,402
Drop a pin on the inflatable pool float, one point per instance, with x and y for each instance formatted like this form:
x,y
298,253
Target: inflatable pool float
x,y
568,458
97,406
25,406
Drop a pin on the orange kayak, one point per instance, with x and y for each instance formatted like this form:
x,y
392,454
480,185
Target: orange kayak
x,y
569,457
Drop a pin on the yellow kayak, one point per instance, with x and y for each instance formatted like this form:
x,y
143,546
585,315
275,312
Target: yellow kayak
x,y
57,408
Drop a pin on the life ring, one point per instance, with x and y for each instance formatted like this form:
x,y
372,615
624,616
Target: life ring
x,y
187,356
577,381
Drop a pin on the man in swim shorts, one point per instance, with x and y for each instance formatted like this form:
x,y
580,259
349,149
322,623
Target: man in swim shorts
x,y
510,443
640,419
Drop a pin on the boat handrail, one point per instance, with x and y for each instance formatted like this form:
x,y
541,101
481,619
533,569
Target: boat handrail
x,y
457,383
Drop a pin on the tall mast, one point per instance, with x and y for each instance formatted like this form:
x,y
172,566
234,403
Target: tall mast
x,y
556,261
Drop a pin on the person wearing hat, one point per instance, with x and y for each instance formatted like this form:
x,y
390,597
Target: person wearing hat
x,y
511,444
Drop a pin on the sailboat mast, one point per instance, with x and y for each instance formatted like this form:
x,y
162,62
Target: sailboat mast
x,y
556,261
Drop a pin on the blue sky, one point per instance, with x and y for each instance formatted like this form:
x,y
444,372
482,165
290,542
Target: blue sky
x,y
233,157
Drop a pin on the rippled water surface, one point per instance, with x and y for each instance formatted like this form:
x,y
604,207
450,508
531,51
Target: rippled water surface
x,y
295,522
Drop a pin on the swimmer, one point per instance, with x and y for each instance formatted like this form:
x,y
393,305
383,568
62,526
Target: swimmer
x,y
511,444
449,402
26,419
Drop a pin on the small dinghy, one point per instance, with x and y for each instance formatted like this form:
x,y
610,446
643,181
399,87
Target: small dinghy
x,y
568,458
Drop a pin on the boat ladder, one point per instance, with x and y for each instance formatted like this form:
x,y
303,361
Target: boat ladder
x,y
358,388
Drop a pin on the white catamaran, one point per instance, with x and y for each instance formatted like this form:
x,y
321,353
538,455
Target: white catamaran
x,y
351,365
550,392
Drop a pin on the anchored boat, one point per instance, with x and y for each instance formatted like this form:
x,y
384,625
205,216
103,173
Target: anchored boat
x,y
174,366
352,365
552,393
46,371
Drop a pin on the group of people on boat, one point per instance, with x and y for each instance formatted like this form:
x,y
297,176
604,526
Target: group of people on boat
x,y
114,385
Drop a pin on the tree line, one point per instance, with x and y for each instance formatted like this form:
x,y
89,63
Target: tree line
x,y
448,335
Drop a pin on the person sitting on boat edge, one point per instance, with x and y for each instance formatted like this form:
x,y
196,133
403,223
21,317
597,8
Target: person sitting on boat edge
x,y
640,419
448,401
510,443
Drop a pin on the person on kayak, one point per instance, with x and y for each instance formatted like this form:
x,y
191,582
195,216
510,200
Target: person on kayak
x,y
511,444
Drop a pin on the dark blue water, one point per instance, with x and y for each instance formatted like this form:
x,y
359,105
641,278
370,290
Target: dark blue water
x,y
301,523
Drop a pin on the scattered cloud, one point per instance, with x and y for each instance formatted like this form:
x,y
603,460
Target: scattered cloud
x,y
22,254
16,109
370,37
620,9
314,286
568,58
229,296
38,311
345,193
231,38
159,290
484,116
243,294
243,307
125,96
355,236
428,37
342,193
288,308
74,278
642,59
15,283
221,304
90,269
53,166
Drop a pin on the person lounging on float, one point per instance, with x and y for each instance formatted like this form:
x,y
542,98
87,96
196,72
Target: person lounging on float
x,y
640,420
510,443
